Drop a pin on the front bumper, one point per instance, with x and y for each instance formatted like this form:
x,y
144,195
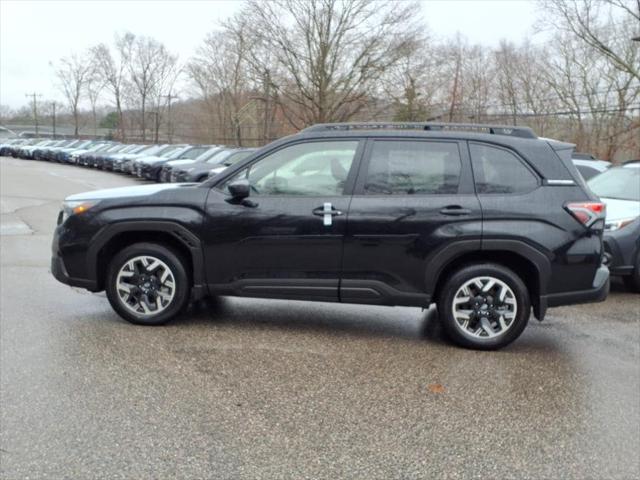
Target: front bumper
x,y
621,249
60,272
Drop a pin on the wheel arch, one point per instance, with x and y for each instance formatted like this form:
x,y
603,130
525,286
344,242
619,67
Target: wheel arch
x,y
115,237
532,266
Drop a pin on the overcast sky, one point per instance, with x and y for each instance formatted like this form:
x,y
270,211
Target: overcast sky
x,y
35,33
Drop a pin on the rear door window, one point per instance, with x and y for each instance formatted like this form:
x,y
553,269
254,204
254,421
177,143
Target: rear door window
x,y
406,167
497,170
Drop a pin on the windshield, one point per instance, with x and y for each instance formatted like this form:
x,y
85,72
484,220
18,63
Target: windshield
x,y
208,154
146,149
621,183
193,153
219,157
165,150
177,153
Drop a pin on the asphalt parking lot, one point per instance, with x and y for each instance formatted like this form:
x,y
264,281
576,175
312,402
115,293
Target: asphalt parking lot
x,y
273,389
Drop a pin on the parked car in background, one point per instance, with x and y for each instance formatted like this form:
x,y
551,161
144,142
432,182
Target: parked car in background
x,y
232,159
488,226
8,145
114,162
73,157
619,189
90,159
588,165
106,162
53,154
27,152
150,168
170,152
119,160
178,166
129,164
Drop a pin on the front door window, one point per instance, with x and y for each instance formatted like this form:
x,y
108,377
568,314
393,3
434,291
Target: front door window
x,y
306,169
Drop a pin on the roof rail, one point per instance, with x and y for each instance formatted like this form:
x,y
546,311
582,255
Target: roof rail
x,y
522,132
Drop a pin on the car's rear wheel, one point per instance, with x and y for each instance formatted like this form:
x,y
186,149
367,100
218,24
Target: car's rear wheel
x,y
484,306
147,284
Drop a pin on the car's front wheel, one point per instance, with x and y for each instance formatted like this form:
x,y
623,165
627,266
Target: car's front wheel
x,y
147,284
484,306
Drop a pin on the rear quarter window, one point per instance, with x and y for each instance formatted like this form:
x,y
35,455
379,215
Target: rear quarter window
x,y
499,171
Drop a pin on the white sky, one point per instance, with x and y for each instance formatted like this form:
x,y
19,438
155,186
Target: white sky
x,y
34,33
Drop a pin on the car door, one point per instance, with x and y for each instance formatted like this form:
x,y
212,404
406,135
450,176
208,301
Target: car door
x,y
286,239
413,206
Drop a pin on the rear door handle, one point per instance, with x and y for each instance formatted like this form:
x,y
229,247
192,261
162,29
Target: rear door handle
x,y
327,212
455,210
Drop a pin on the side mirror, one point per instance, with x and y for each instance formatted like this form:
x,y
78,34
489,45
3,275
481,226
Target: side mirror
x,y
240,189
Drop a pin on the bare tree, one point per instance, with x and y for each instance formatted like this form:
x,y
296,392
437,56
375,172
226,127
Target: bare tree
x,y
73,73
605,25
94,87
149,64
112,72
331,53
221,69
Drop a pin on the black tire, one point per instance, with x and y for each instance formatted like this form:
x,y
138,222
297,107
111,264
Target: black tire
x,y
632,282
455,331
173,261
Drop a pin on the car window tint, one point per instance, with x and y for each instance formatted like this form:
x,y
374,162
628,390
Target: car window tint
x,y
499,171
310,169
587,172
413,168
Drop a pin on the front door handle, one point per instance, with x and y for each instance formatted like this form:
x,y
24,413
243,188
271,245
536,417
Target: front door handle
x,y
327,212
455,210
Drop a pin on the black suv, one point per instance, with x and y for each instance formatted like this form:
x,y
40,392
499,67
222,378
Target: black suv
x,y
488,222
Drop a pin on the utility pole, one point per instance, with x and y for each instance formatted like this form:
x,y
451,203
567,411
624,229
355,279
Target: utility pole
x,y
169,97
53,106
267,107
34,96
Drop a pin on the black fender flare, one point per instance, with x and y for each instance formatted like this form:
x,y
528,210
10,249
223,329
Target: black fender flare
x,y
179,232
452,251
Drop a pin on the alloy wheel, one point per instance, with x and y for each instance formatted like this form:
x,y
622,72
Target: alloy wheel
x,y
145,285
484,307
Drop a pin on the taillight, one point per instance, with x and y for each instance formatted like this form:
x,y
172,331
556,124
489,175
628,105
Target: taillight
x,y
590,214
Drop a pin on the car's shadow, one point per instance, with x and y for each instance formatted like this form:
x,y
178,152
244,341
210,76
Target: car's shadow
x,y
364,321
361,320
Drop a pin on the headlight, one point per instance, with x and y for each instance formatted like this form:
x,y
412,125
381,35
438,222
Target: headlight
x,y
75,208
618,224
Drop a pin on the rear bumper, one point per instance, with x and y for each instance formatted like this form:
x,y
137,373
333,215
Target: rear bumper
x,y
598,293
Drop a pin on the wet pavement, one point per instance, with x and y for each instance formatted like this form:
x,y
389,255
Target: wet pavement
x,y
244,388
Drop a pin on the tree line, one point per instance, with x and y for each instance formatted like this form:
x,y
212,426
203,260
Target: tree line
x,y
276,67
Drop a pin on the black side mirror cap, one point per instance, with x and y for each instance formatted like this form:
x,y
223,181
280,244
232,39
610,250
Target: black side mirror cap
x,y
239,189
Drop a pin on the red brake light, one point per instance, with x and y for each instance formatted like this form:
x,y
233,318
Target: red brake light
x,y
587,213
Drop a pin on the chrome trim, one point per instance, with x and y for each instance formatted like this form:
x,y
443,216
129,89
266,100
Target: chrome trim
x,y
559,182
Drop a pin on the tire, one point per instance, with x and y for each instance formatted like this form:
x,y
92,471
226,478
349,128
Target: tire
x,y
632,282
504,319
150,300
